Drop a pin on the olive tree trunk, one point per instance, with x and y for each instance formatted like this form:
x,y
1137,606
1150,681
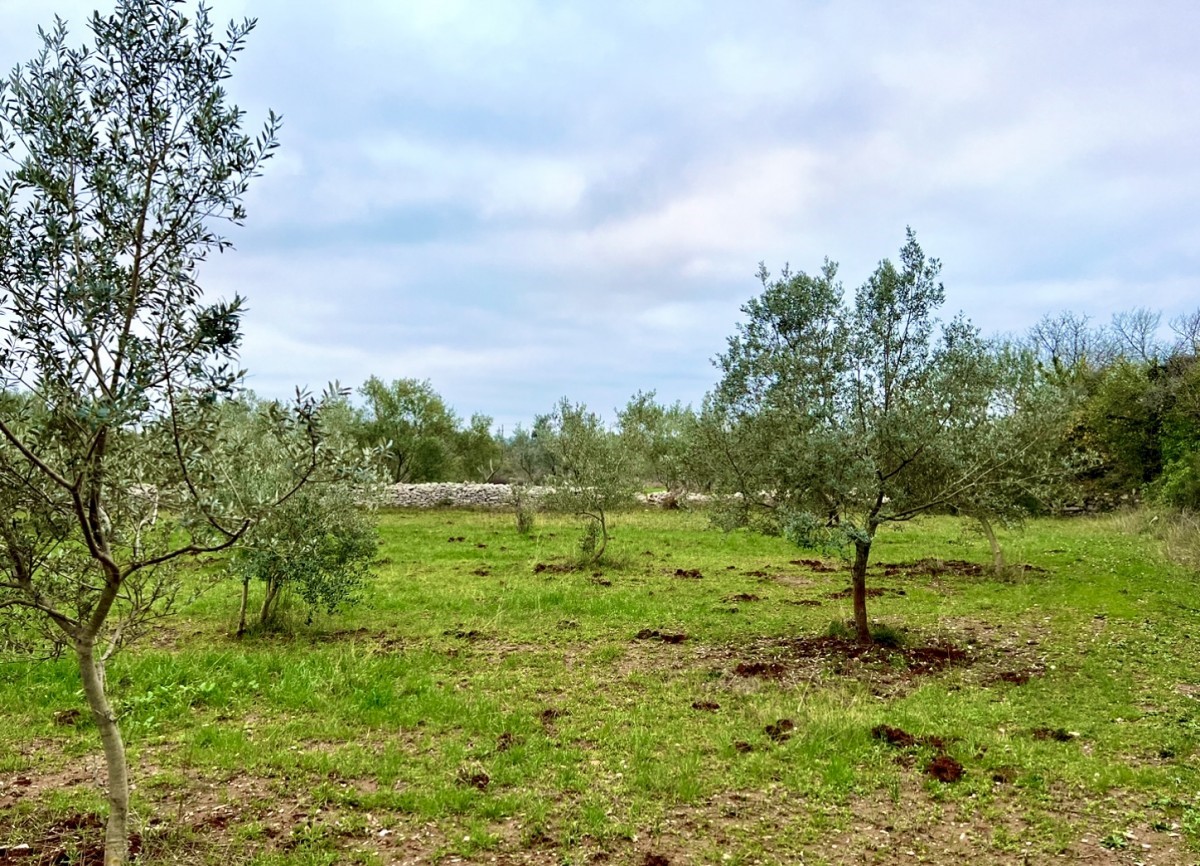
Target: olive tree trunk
x,y
116,833
268,605
998,563
858,574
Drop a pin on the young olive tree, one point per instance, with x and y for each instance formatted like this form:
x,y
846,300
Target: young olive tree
x,y
855,415
320,543
123,154
593,472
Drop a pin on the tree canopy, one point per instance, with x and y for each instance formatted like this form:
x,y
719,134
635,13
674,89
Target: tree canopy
x,y
839,418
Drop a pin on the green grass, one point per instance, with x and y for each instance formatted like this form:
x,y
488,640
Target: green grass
x,y
476,707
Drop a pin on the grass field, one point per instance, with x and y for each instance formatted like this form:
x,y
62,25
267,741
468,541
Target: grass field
x,y
679,704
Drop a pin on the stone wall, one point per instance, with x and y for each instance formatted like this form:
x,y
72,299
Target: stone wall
x,y
448,495
445,494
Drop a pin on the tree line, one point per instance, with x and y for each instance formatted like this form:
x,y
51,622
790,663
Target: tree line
x,y
1124,403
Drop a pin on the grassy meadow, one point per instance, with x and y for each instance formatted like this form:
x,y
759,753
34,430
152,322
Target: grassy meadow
x,y
680,703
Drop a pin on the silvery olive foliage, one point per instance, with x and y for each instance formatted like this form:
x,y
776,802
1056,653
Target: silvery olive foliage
x,y
834,417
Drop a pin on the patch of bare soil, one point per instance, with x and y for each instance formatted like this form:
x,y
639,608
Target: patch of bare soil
x,y
1004,655
688,573
77,840
31,784
202,822
765,670
1016,678
207,813
741,596
932,567
917,828
936,568
805,658
909,824
464,634
942,767
796,581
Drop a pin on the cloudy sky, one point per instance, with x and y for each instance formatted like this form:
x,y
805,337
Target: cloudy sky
x,y
524,200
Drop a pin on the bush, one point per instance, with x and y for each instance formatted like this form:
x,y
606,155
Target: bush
x,y
1179,485
524,509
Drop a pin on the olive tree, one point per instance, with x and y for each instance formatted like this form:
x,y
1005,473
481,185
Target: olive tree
x,y
124,154
320,543
593,472
839,417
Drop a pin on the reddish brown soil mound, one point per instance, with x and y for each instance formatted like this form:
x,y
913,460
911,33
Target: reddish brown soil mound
x,y
944,769
897,737
896,662
478,779
902,739
920,659
552,568
781,730
665,637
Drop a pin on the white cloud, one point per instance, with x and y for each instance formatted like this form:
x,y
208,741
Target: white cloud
x,y
521,199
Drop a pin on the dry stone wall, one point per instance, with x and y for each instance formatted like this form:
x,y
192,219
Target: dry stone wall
x,y
465,495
